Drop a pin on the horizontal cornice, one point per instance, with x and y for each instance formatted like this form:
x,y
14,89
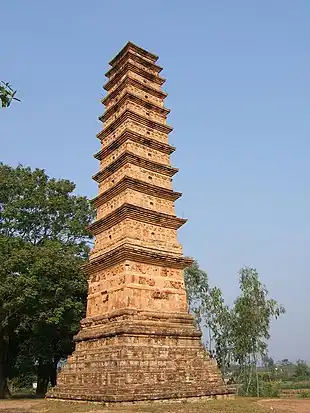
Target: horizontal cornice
x,y
139,71
130,81
130,97
127,252
137,49
129,157
136,213
136,185
135,117
128,135
133,56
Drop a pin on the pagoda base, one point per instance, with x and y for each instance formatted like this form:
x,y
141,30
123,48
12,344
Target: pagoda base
x,y
134,356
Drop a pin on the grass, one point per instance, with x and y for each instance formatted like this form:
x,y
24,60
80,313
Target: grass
x,y
295,385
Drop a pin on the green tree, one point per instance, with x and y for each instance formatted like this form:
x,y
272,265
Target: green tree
x,y
285,362
49,326
7,94
197,289
238,334
219,322
43,242
268,361
253,312
211,313
17,291
302,371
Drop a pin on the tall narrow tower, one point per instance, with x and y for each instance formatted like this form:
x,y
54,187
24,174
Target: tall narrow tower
x,y
138,341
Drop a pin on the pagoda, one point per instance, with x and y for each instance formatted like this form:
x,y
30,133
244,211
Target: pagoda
x,y
138,341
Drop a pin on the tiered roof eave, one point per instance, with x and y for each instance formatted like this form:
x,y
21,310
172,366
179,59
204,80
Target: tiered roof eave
x,y
130,252
135,117
135,48
135,184
134,137
129,157
130,81
130,97
136,213
129,54
128,66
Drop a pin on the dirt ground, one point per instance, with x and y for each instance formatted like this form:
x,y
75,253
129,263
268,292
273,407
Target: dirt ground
x,y
287,406
240,405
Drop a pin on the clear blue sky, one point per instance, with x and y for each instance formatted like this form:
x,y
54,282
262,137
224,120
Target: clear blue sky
x,y
238,82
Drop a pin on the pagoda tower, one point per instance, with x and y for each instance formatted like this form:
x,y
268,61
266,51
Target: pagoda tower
x,y
138,341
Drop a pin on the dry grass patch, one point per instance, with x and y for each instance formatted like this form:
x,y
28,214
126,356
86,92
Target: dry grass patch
x,y
213,406
239,405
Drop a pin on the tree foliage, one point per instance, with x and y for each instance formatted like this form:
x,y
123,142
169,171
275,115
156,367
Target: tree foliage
x,y
253,312
37,208
239,333
197,288
7,94
302,371
210,311
43,242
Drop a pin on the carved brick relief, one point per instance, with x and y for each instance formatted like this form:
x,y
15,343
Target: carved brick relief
x,y
139,234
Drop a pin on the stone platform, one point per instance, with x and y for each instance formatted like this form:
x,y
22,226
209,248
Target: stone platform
x,y
138,356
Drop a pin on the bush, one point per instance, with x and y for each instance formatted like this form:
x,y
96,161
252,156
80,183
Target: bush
x,y
302,371
266,388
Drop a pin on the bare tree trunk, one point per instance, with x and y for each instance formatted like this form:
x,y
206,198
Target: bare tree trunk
x,y
4,390
250,377
210,340
257,381
53,372
43,377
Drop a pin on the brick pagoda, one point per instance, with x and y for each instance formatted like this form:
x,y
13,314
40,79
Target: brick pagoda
x,y
138,341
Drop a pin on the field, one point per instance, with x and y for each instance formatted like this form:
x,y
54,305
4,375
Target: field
x,y
239,405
